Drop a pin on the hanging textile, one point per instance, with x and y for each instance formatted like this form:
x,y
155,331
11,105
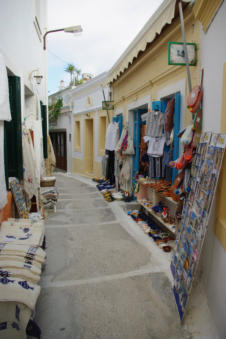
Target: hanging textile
x,y
155,146
5,114
31,182
38,147
51,160
125,179
4,92
155,124
111,136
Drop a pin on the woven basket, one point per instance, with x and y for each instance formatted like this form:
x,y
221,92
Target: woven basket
x,y
47,182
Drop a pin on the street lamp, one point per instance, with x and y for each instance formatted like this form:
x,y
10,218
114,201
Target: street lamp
x,y
72,29
38,77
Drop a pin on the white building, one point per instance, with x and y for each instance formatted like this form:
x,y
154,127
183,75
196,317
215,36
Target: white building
x,y
22,26
89,123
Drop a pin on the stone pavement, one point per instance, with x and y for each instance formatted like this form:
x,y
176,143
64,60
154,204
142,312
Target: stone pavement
x,y
104,278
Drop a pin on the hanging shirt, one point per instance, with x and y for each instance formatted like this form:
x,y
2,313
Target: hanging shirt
x,y
155,146
5,113
155,124
111,136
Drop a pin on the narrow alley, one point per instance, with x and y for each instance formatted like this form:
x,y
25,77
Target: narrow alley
x,y
99,282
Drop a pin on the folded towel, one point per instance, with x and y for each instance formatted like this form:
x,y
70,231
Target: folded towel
x,y
24,260
19,273
19,290
23,251
20,265
14,318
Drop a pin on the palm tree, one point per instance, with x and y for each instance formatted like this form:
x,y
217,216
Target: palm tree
x,y
71,69
77,81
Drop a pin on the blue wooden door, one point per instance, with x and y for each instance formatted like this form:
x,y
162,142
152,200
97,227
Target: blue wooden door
x,y
176,140
161,106
136,141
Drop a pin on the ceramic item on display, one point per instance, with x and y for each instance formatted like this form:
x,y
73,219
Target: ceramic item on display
x,y
187,136
194,99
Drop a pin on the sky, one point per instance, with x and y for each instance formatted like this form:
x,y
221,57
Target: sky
x,y
108,29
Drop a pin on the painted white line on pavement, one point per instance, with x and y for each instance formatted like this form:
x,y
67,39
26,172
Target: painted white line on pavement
x,y
70,283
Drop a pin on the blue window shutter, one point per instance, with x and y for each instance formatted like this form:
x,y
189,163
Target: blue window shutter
x,y
176,121
136,141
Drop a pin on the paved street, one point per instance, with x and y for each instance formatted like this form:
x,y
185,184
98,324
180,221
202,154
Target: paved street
x,y
103,278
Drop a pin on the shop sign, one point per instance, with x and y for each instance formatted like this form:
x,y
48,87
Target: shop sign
x,y
107,105
176,54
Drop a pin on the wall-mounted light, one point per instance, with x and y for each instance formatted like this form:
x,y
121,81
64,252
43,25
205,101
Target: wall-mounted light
x,y
38,79
35,74
72,29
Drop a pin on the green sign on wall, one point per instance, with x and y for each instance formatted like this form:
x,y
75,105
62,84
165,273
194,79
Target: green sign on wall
x,y
176,54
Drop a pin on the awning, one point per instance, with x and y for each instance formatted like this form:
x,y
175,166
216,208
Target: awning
x,y
164,15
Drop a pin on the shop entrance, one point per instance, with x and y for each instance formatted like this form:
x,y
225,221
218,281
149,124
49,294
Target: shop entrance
x,y
89,146
139,131
161,106
138,134
59,141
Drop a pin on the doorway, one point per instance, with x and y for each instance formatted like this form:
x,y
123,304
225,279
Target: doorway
x,y
89,146
139,132
139,127
59,141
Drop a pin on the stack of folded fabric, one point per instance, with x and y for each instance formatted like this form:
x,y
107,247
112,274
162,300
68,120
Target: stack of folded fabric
x,y
21,260
49,196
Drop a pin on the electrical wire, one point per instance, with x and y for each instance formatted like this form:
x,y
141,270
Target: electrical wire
x,y
56,56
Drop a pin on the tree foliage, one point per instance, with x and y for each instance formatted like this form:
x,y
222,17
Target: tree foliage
x,y
75,74
54,110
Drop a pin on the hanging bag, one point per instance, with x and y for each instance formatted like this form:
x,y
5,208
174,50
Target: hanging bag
x,y
130,149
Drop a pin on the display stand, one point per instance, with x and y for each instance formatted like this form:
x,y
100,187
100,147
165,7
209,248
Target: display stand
x,y
190,236
147,197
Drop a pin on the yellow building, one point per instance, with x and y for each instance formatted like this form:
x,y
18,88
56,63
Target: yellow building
x,y
142,74
89,124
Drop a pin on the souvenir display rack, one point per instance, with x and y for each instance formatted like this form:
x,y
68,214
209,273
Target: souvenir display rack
x,y
148,197
191,232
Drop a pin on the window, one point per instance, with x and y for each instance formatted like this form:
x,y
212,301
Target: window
x,y
77,135
102,133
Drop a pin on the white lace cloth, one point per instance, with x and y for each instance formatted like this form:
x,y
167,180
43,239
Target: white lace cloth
x,y
4,92
31,182
5,114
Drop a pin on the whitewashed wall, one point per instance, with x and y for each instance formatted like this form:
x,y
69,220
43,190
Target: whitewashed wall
x,y
21,45
213,56
92,90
